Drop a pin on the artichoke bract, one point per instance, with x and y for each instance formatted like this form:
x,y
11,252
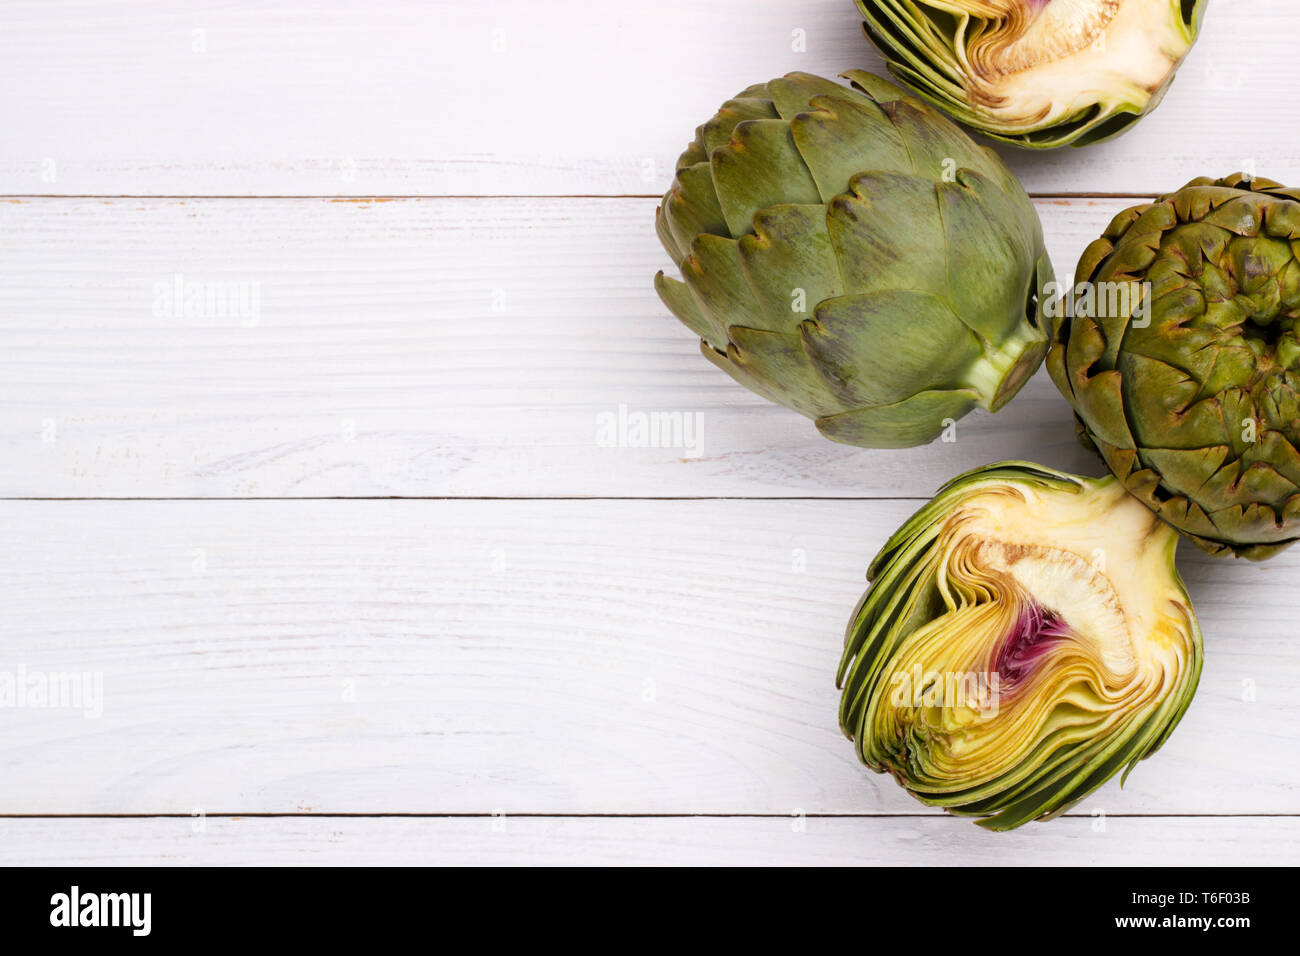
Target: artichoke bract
x,y
1025,636
854,256
1189,389
1037,73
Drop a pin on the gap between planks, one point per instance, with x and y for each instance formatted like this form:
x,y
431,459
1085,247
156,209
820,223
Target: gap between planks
x,y
629,815
466,196
475,498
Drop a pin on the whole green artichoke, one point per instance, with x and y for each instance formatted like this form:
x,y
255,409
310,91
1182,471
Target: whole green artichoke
x,y
1025,637
1037,73
1189,389
854,256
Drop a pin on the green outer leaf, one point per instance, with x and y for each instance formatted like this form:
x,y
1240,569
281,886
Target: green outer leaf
x,y
981,291
690,208
791,264
840,138
759,167
916,420
867,357
774,365
677,297
888,232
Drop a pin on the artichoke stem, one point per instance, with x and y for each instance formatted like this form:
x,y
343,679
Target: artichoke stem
x,y
1000,372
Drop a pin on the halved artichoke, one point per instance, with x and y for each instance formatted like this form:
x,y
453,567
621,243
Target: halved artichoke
x,y
1039,73
1025,637
853,255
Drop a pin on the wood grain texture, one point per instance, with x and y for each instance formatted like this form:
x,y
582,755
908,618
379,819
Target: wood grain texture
x,y
564,657
567,841
561,659
514,97
415,347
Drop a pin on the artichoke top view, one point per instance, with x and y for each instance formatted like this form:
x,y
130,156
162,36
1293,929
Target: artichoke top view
x,y
1026,636
1189,387
1038,73
851,254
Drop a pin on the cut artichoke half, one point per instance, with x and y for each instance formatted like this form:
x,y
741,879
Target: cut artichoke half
x,y
1039,73
1025,637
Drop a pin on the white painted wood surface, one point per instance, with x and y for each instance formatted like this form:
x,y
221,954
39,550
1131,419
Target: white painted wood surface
x,y
653,841
514,97
663,652
533,656
411,347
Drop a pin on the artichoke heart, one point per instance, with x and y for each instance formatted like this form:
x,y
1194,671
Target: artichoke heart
x,y
1038,73
852,255
1025,637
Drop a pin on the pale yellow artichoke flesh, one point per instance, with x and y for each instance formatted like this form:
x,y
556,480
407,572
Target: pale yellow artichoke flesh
x,y
1125,644
1070,56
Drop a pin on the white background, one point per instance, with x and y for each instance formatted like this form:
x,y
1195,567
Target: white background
x,y
360,581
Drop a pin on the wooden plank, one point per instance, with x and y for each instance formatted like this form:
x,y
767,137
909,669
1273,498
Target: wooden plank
x,y
418,347
514,97
568,657
704,841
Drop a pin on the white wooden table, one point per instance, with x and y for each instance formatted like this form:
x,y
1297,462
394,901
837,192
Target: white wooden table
x,y
360,581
